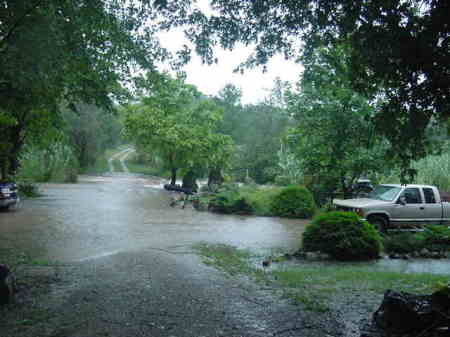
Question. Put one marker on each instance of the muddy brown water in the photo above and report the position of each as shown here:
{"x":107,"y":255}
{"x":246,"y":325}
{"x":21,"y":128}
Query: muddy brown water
{"x":127,"y":268}
{"x":101,"y":216}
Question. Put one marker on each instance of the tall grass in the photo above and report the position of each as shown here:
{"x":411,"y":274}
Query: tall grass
{"x":431,"y":170}
{"x":434,"y":170}
{"x":55,"y":163}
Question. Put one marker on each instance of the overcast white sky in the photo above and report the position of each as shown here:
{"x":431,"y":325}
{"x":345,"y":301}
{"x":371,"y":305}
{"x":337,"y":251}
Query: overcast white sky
{"x":209,"y":79}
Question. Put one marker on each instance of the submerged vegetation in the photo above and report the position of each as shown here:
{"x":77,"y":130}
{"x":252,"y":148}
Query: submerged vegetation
{"x":315,"y":284}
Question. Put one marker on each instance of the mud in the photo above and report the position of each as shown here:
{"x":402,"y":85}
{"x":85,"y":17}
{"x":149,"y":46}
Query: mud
{"x":111,"y":258}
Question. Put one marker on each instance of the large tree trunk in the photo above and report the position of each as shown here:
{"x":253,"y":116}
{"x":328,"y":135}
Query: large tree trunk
{"x":189,"y":181}
{"x":16,"y":140}
{"x":215,"y":177}
{"x":3,"y":169}
{"x":173,"y":179}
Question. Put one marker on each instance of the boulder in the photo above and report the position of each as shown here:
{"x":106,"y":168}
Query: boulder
{"x":408,"y":315}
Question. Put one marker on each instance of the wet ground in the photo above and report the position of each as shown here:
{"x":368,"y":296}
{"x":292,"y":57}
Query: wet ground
{"x":113,"y":259}
{"x":110,"y":257}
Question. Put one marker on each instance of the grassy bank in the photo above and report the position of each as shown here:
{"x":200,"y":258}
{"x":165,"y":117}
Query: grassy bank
{"x":313,"y":284}
{"x":139,"y":165}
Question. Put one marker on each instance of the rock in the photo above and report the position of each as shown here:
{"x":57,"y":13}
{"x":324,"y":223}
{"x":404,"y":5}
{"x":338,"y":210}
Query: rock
{"x":311,"y":256}
{"x":410,"y":315}
{"x":435,"y":255}
{"x":405,"y":257}
{"x":424,"y":252}
{"x":266,"y":263}
{"x":299,"y":254}
{"x":287,"y":256}
{"x":7,"y":285}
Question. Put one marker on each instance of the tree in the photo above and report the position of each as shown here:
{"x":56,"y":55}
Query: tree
{"x":90,"y":131}
{"x":336,"y":143}
{"x":71,"y":50}
{"x":176,"y":122}
{"x":399,"y":50}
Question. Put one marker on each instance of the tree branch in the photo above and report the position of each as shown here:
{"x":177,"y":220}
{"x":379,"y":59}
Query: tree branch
{"x":18,"y":23}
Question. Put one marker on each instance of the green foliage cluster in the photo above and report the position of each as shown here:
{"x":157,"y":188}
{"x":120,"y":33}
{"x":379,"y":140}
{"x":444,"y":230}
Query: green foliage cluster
{"x":56,"y":163}
{"x":334,"y":140}
{"x":433,"y":238}
{"x":403,"y":243}
{"x":256,"y":130}
{"x":293,"y":202}
{"x":342,"y":235}
{"x":431,"y":170}
{"x":143,"y":165}
{"x":28,"y":189}
{"x":176,"y":123}
{"x":229,"y":200}
{"x":54,"y":54}
{"x":399,"y":52}
{"x":247,"y":199}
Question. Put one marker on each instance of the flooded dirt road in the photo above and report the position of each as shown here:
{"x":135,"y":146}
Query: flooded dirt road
{"x":116,"y":260}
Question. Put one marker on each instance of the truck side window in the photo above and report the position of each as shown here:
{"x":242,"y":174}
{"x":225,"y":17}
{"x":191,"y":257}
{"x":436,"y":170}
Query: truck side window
{"x":429,"y":196}
{"x":412,"y":196}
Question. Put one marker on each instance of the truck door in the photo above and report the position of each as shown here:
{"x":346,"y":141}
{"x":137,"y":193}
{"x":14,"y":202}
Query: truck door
{"x":432,"y":209}
{"x":413,"y":212}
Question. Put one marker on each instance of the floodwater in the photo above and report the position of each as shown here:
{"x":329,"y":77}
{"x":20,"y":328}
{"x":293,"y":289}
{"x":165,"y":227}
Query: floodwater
{"x":127,"y":267}
{"x":101,"y":216}
{"x":106,"y":215}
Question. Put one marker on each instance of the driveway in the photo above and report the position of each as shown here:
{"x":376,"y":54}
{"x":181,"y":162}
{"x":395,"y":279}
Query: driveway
{"x":111,"y":258}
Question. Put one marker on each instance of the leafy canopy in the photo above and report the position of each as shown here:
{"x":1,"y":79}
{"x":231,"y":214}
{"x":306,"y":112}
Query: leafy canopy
{"x":399,"y":50}
{"x":176,"y":122}
{"x":335,"y":142}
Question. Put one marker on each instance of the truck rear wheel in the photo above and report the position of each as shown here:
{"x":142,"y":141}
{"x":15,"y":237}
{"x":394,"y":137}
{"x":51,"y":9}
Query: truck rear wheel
{"x":379,"y":222}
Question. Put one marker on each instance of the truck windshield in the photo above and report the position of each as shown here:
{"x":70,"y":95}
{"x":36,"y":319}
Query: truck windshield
{"x":383,"y":192}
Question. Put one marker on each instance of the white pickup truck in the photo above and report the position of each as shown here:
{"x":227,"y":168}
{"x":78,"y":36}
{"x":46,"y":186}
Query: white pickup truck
{"x":393,"y":206}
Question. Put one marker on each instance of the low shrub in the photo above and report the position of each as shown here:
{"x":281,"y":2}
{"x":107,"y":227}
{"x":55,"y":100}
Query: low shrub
{"x":230,"y":201}
{"x":343,"y":236}
{"x":433,"y":238}
{"x":293,"y":202}
{"x":28,"y":189}
{"x":436,"y":234}
{"x":260,"y":199}
{"x":403,"y":243}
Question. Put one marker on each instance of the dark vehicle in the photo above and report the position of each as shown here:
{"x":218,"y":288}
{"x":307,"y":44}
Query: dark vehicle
{"x":362,"y":188}
{"x":8,"y":195}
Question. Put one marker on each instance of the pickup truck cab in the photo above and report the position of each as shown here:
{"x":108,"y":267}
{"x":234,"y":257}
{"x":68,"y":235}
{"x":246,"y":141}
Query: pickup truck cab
{"x":8,"y":195}
{"x":391,"y":206}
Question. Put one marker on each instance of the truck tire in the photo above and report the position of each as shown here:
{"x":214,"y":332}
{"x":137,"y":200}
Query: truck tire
{"x":379,"y":222}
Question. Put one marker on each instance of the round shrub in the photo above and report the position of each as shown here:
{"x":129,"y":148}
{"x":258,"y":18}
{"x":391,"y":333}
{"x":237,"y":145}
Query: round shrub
{"x":343,"y":236}
{"x":229,"y":202}
{"x":293,"y":202}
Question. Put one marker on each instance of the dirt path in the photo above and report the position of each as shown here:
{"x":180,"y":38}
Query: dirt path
{"x":110,"y":258}
{"x":121,"y":156}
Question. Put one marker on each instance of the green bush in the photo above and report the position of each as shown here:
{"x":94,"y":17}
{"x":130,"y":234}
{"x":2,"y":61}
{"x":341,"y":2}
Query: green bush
{"x":404,"y":243}
{"x":28,"y":189}
{"x":293,"y":202}
{"x":260,"y":199}
{"x":436,"y":234}
{"x":230,"y":201}
{"x":343,"y":236}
